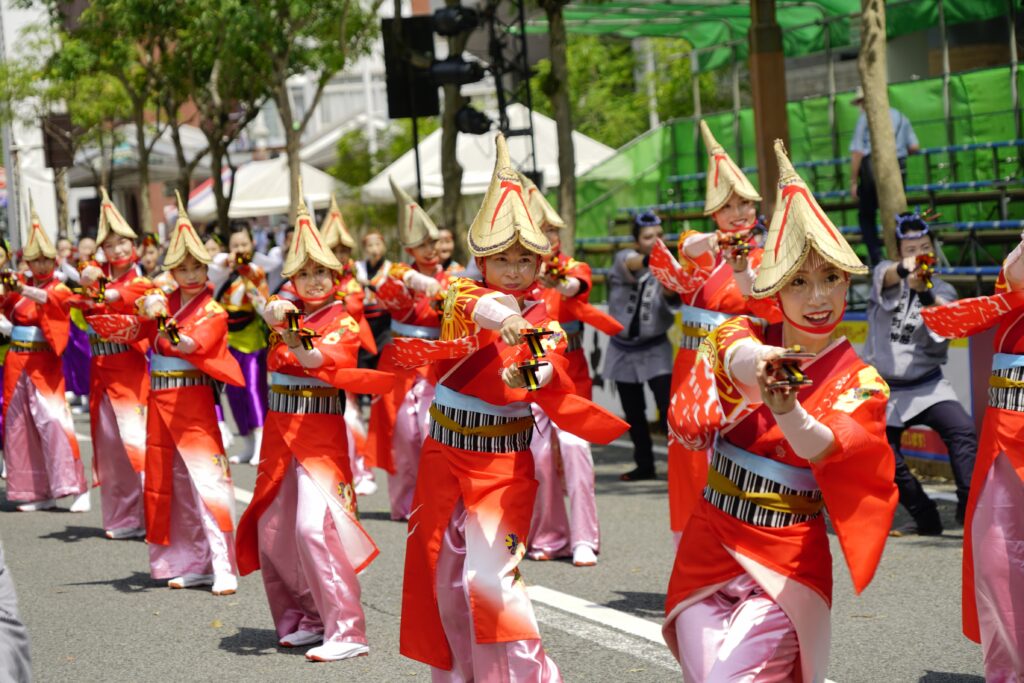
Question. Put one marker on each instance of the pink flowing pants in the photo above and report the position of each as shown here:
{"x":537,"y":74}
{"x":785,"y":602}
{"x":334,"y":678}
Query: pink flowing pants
{"x":120,"y":485}
{"x":310,"y":583}
{"x":198,"y":546}
{"x":552,"y":532}
{"x":998,"y":540}
{"x":516,"y":661}
{"x":40,"y":461}
{"x":737,"y":633}
{"x":412,"y":423}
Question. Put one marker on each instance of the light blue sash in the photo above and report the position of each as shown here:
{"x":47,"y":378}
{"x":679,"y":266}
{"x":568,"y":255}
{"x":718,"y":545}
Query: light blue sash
{"x":796,"y":478}
{"x":453,"y":399}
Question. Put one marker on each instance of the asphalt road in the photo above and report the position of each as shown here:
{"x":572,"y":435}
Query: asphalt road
{"x":94,"y":614}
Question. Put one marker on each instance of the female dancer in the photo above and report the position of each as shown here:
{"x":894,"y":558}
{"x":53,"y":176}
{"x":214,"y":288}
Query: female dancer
{"x":240,"y":286}
{"x":752,"y":582}
{"x":40,"y":448}
{"x":398,"y":421}
{"x":190,"y":501}
{"x":564,"y":284}
{"x":348,"y":288}
{"x":993,"y":566}
{"x":465,"y":611}
{"x":119,"y":377}
{"x":714,"y":279}
{"x":302,"y":527}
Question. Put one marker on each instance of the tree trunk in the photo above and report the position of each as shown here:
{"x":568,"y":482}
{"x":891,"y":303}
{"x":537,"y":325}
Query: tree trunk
{"x":559,"y":94}
{"x":145,"y":219}
{"x":60,"y":182}
{"x":291,"y":143}
{"x":223,"y":203}
{"x":871,"y":63}
{"x":184,"y":182}
{"x":292,"y":138}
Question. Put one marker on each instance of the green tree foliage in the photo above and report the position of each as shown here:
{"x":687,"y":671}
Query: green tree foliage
{"x":310,"y":36}
{"x":357,"y":166}
{"x":608,"y":91}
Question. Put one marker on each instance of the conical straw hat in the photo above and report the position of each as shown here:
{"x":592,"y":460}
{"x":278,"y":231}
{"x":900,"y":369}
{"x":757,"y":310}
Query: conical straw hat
{"x":504,"y":217}
{"x":414,"y":225}
{"x":724,"y":176}
{"x":540,"y":209}
{"x":334,"y":230}
{"x":111,"y":220}
{"x":38,"y":244}
{"x":307,"y":243}
{"x":798,"y":225}
{"x":184,"y":241}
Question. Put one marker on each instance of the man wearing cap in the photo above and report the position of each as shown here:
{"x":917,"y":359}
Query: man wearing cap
{"x":641,"y":353}
{"x":910,"y":358}
{"x":862,"y":177}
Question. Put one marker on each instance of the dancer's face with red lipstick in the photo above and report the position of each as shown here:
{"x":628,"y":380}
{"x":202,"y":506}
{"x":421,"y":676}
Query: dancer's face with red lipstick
{"x":814,"y":297}
{"x":314,"y":283}
{"x":190,"y":275}
{"x":737,"y":214}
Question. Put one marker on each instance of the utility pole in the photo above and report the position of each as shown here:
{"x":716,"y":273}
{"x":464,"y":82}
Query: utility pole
{"x":768,"y":87}
{"x":10,"y":161}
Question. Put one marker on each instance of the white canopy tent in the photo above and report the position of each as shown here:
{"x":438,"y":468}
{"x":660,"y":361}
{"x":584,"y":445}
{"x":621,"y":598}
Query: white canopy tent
{"x":262,"y":189}
{"x":476,"y":154}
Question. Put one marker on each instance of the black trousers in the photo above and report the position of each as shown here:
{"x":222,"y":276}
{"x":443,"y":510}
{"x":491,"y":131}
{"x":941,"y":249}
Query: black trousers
{"x":634,"y":405}
{"x":867,"y":208}
{"x":956,"y":429}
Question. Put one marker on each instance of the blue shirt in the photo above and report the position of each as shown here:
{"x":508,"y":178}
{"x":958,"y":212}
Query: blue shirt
{"x":905,"y":136}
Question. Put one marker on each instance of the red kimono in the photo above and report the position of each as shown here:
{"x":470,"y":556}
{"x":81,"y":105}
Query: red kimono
{"x":119,"y":370}
{"x":1003,"y":425}
{"x":183,"y":419}
{"x":495,"y":483}
{"x":41,"y":448}
{"x":316,"y":440}
{"x":572,"y":312}
{"x":789,"y":558}
{"x":411,"y":312}
{"x":711,"y":296}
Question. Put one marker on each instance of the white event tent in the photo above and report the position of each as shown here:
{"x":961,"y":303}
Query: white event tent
{"x":261,"y":189}
{"x":476,"y":154}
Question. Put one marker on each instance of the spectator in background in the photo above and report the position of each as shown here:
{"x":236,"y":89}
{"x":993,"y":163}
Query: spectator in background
{"x":86,"y":249}
{"x":370,"y":272}
{"x":446,"y":249}
{"x":910,"y":357}
{"x":862,"y":178}
{"x":641,"y":353}
{"x":15,"y":663}
{"x":213,"y":243}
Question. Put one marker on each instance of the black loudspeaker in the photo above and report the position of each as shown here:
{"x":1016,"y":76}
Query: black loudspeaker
{"x":411,"y":91}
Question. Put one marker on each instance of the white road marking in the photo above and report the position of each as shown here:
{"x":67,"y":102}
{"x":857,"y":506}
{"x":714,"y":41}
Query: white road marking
{"x":83,"y":437}
{"x":606,"y":638}
{"x":606,"y":616}
{"x":605,"y":619}
{"x":938,"y":494}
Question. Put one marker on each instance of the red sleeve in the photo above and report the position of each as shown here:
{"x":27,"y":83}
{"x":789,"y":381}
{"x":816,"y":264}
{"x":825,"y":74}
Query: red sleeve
{"x":54,"y":316}
{"x":131,"y":293}
{"x":339,"y":347}
{"x":581,"y":271}
{"x":856,"y":479}
{"x":967,"y":317}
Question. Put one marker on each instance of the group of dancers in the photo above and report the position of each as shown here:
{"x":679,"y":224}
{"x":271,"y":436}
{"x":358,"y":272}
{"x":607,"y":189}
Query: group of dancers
{"x":482,"y":414}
